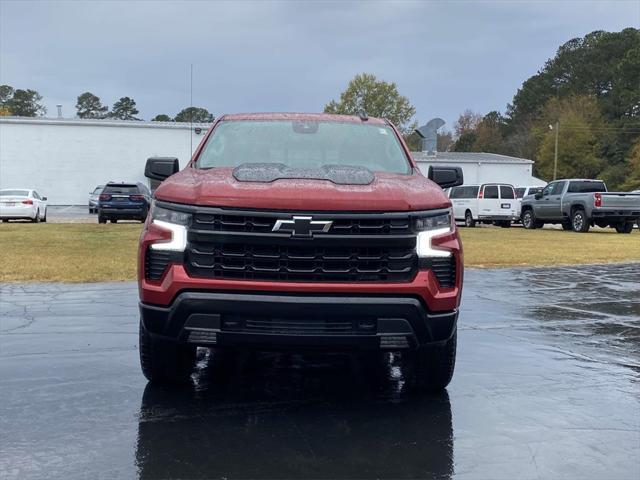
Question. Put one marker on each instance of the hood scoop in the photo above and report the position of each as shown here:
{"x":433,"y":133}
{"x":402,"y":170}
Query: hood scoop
{"x":269,"y":172}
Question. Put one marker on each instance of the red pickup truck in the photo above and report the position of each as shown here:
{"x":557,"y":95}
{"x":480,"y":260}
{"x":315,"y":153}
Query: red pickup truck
{"x":304,"y":232}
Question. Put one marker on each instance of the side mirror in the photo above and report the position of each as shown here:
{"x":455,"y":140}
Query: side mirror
{"x":160,"y":168}
{"x":538,"y":195}
{"x":44,"y":198}
{"x":446,"y":176}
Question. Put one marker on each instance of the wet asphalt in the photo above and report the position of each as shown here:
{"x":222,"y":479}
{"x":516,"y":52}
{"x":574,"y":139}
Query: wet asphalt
{"x":547,"y":385}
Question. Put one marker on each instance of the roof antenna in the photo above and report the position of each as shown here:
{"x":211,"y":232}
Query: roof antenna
{"x":363,"y":115}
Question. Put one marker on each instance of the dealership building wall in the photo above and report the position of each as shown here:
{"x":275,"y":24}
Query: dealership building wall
{"x":65,"y":159}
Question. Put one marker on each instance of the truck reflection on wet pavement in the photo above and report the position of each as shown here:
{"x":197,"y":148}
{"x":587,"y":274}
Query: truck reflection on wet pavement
{"x":275,"y":416}
{"x":546,"y":386}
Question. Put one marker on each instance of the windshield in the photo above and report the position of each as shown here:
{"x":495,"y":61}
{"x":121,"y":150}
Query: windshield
{"x":304,"y":145}
{"x":14,"y":193}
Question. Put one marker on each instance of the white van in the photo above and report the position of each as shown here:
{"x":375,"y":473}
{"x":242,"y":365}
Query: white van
{"x":522,"y":192}
{"x":487,"y":203}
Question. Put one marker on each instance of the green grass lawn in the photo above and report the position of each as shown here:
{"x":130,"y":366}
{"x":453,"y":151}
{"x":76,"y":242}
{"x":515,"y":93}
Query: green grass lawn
{"x":92,"y":253}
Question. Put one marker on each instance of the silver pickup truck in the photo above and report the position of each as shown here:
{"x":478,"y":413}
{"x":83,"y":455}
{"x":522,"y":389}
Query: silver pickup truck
{"x":578,"y":204}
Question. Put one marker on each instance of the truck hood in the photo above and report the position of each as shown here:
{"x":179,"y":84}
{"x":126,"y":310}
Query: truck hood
{"x":217,"y":187}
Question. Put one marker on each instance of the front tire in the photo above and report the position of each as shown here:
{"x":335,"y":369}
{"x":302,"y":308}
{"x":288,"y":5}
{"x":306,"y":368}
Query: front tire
{"x":529,"y":220}
{"x":44,"y":218}
{"x":468,"y":220}
{"x":101,"y":219}
{"x":579,"y":222}
{"x":163,"y":360}
{"x":433,"y":365}
{"x":624,"y":227}
{"x":36,"y":219}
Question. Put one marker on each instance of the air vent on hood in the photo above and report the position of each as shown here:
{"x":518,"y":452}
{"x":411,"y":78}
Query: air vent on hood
{"x":269,"y":172}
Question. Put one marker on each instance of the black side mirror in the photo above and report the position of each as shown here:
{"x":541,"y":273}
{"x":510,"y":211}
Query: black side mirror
{"x":538,"y":195}
{"x":160,"y":168}
{"x":446,"y":176}
{"x":44,"y":198}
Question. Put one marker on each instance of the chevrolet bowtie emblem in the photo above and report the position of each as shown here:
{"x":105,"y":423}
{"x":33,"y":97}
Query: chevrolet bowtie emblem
{"x":302,"y":226}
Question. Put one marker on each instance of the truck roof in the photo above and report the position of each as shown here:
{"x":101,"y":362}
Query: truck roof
{"x":309,"y":117}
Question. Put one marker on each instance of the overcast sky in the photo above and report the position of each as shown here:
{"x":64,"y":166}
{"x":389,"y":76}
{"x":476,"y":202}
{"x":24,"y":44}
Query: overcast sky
{"x":289,"y":56}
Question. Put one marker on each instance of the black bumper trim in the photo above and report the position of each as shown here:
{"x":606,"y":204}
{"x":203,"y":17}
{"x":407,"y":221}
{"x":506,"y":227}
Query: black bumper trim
{"x":298,"y":321}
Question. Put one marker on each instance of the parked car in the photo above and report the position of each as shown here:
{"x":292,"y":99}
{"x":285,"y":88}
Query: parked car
{"x":22,"y":204}
{"x":93,"y":199}
{"x":334,"y":241}
{"x":522,"y":192}
{"x":123,"y":201}
{"x":487,"y":203}
{"x":577,"y":204}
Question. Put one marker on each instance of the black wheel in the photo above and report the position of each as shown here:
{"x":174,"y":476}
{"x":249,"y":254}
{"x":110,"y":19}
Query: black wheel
{"x":579,"y":222}
{"x":36,"y":219}
{"x":114,"y":220}
{"x":101,"y":219}
{"x":529,"y":220}
{"x":468,"y":220}
{"x":44,"y":219}
{"x":4,"y":220}
{"x":165,"y":361}
{"x":624,"y":227}
{"x":566,"y":226}
{"x":433,"y":365}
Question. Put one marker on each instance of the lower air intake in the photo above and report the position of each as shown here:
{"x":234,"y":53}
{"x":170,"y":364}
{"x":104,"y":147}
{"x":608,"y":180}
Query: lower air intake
{"x":202,"y":337}
{"x":394,"y":342}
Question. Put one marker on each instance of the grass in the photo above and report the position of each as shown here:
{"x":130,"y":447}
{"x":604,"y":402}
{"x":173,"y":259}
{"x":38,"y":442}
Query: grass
{"x":92,"y":253}
{"x":59,"y":252}
{"x":499,"y":247}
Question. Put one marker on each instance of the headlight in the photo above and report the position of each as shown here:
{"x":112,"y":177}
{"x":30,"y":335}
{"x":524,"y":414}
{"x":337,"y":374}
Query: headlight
{"x":174,"y":221}
{"x":170,"y":216}
{"x":429,"y":227}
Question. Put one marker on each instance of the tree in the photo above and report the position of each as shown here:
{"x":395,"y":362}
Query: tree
{"x":365,"y":93}
{"x":489,"y":134}
{"x":632,"y":181}
{"x":6,"y":94}
{"x":162,"y":118}
{"x":124,"y":109}
{"x":89,"y":105}
{"x":603,"y":64}
{"x":24,"y":103}
{"x":580,"y":141}
{"x":195,"y":115}
{"x":467,"y":122}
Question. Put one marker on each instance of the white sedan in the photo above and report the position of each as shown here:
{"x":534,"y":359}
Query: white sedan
{"x":18,"y":204}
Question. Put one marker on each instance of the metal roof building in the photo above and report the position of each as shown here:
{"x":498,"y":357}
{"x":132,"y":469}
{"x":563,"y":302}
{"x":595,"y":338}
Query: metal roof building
{"x":481,"y":167}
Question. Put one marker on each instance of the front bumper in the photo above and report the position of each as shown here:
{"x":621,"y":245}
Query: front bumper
{"x":299,"y":321}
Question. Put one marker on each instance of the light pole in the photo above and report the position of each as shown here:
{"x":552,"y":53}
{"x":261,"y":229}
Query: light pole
{"x":555,"y":155}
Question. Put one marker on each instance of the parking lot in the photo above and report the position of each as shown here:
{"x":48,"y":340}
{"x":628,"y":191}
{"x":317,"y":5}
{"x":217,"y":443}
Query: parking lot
{"x":546,"y":386}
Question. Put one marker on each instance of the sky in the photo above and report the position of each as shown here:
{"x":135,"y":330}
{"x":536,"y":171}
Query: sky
{"x":445,"y":56}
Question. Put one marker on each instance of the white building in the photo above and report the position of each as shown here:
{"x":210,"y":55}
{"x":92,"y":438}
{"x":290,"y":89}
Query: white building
{"x":65,"y":159}
{"x":480,"y":168}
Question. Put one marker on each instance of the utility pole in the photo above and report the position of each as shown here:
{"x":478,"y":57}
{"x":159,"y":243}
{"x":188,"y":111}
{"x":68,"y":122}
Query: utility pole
{"x":555,"y":156}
